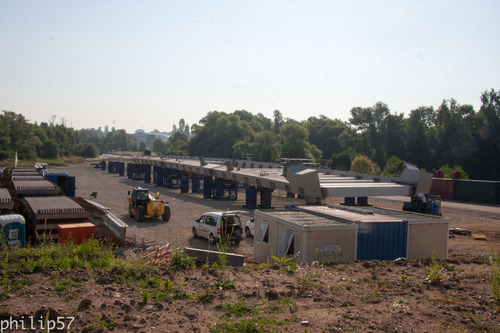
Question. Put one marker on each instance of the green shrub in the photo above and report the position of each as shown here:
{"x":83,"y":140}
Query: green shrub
{"x":435,"y":272}
{"x":181,"y":260}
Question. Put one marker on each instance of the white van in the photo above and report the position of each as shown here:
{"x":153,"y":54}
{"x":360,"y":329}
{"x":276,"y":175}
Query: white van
{"x":216,"y":225}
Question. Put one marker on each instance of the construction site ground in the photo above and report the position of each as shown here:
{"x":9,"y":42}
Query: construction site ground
{"x":360,"y":296}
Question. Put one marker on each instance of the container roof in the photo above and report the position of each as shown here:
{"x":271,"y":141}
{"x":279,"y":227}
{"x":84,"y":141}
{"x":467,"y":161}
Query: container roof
{"x":349,"y":215}
{"x":55,"y":207}
{"x":35,"y":187}
{"x":304,"y":219}
{"x":324,"y":216}
{"x":411,"y":217}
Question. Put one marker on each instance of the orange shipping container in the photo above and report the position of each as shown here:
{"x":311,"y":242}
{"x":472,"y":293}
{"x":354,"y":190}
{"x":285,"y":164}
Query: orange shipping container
{"x":76,"y":232}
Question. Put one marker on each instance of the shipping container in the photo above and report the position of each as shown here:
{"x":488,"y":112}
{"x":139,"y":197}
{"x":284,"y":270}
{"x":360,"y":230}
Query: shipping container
{"x":445,"y":187}
{"x":75,"y":232}
{"x":13,"y":230}
{"x":479,"y":191}
{"x":66,"y":183}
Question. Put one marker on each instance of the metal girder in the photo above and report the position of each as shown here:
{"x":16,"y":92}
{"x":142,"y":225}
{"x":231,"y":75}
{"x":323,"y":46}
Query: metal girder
{"x":294,"y":178}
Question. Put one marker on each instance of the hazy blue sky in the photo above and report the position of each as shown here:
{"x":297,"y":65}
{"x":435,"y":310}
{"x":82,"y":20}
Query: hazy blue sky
{"x":146,"y":64}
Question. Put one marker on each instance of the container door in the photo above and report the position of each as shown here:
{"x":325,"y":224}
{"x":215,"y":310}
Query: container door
{"x":71,"y":187}
{"x":382,"y":241}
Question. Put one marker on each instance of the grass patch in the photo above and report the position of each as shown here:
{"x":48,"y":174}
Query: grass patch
{"x":69,"y":286}
{"x":372,"y":298}
{"x":51,"y":257}
{"x":9,"y":162}
{"x":239,"y":308}
{"x":241,"y":316}
{"x":224,"y":285}
{"x":102,"y":322}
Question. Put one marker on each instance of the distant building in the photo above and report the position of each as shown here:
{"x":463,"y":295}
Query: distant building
{"x":148,"y":137}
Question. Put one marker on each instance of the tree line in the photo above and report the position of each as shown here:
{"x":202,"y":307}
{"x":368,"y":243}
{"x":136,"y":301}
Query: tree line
{"x":450,"y":137}
{"x":49,"y":140}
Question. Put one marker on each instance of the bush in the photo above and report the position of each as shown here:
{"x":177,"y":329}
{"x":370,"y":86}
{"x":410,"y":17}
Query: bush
{"x":447,"y":171}
{"x":181,"y":260}
{"x":89,"y":150}
{"x":340,"y":161}
{"x":362,"y":164}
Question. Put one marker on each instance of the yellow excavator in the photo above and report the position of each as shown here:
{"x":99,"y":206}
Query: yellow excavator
{"x":142,"y":204}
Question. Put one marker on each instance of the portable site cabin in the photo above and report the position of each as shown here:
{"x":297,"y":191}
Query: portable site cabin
{"x":12,"y":230}
{"x":337,"y":233}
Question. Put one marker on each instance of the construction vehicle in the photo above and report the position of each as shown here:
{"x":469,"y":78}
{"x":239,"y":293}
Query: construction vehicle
{"x":142,"y":204}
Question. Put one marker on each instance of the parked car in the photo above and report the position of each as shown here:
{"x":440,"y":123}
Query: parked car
{"x":250,"y":228}
{"x":216,"y":225}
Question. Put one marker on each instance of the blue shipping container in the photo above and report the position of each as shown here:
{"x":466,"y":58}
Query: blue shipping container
{"x":66,"y":183}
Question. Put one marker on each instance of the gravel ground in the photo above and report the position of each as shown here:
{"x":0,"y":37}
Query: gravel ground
{"x":112,"y":191}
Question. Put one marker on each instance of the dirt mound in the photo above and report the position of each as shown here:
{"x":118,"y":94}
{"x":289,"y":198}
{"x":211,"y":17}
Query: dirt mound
{"x":360,"y":296}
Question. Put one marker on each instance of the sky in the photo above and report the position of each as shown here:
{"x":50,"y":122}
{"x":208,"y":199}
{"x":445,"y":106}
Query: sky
{"x":147,"y":64}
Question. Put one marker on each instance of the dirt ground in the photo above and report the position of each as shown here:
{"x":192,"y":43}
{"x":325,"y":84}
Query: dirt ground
{"x":360,"y":296}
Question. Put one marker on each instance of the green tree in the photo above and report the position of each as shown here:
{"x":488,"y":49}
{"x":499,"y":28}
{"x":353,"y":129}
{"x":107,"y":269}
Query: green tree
{"x":263,"y":146}
{"x":218,"y":133}
{"x":49,"y":149}
{"x":182,"y":124}
{"x":393,"y":136}
{"x":177,"y":144}
{"x":418,"y":136}
{"x":324,"y":133}
{"x":89,"y":150}
{"x":278,"y":121}
{"x":17,"y":134}
{"x":295,"y":143}
{"x":160,"y":146}
{"x":391,"y":166}
{"x":487,"y":135}
{"x":116,"y":140}
{"x":370,"y":123}
{"x":340,"y":161}
{"x":93,"y":136}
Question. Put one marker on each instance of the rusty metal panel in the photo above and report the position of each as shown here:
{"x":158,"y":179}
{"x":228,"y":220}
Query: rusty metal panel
{"x":445,"y":187}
